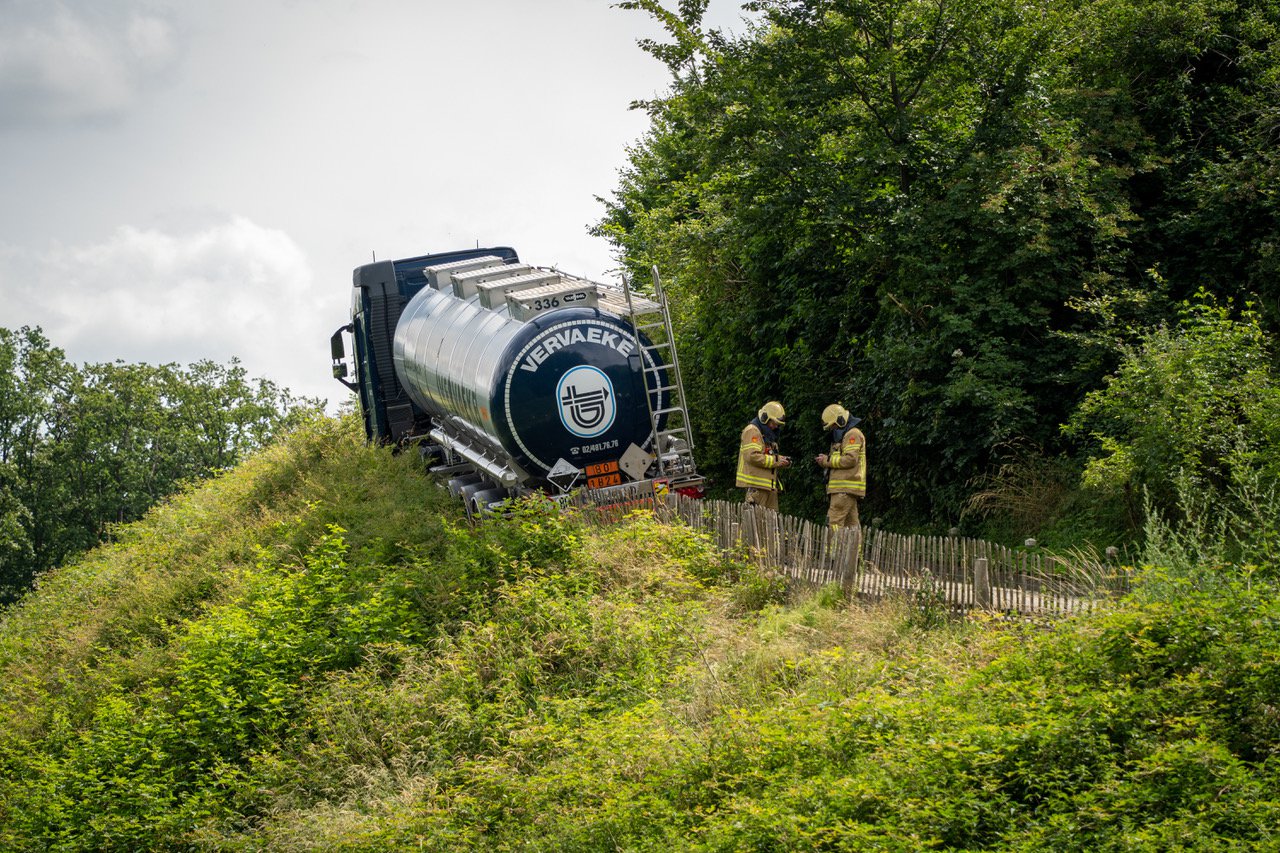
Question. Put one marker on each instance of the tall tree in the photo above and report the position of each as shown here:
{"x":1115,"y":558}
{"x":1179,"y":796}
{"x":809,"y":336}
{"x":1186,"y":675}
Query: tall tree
{"x":929,"y":210}
{"x":84,"y":448}
{"x":33,"y":373}
{"x":834,"y":189}
{"x":1186,"y":95}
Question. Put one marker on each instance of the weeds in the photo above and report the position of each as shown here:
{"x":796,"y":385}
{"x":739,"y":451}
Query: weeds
{"x":319,"y":668}
{"x":1026,"y":490}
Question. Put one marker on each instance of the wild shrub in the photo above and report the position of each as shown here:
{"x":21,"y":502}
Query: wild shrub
{"x":639,"y":552}
{"x":1096,"y":735}
{"x":927,"y":603}
{"x":755,"y":588}
{"x":239,"y":676}
{"x":534,"y":531}
{"x":1193,"y":409}
{"x":465,"y":717}
{"x":531,"y":683}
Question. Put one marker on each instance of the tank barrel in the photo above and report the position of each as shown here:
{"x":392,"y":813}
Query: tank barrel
{"x":528,"y":376}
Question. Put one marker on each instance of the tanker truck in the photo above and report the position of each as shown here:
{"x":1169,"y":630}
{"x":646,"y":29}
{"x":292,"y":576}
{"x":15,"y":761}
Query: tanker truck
{"x":512,"y":378}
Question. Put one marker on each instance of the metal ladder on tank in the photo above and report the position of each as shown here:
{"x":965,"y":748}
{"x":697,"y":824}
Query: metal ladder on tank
{"x":673,"y":445}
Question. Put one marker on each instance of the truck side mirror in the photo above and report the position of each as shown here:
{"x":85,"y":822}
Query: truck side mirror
{"x":336,"y":347}
{"x":339,"y":353}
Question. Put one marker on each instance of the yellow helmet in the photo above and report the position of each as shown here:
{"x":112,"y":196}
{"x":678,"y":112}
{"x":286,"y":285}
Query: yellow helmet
{"x":834,"y":415}
{"x":772,"y":411}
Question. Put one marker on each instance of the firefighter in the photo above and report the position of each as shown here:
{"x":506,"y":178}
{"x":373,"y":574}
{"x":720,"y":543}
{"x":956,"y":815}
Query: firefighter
{"x":846,"y":465}
{"x":758,"y":457}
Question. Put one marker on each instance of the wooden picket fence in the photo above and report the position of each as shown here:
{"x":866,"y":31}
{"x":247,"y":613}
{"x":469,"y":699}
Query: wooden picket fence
{"x":959,"y":572}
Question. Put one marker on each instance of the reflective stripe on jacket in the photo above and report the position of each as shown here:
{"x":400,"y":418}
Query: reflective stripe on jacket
{"x":756,"y":461}
{"x":848,"y":463}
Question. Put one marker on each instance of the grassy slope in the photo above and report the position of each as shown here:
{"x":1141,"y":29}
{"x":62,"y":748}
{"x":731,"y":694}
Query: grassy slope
{"x":313,"y":653}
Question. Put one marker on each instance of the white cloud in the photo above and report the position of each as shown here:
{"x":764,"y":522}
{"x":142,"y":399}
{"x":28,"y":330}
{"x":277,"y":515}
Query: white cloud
{"x":150,"y":42}
{"x":334,"y":128}
{"x":234,"y":289}
{"x":65,"y":65}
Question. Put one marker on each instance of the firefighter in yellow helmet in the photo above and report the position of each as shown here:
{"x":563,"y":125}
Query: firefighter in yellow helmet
{"x":758,"y":457}
{"x":846,"y":465}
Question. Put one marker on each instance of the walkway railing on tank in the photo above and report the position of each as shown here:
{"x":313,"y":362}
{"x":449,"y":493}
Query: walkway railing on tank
{"x":965,"y":573}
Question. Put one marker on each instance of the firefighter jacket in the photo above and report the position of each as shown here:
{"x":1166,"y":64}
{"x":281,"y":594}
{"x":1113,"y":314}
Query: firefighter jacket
{"x":847,"y":461}
{"x":758,"y":459}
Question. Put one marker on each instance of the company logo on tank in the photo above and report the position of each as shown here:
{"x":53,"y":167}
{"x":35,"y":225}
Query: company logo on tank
{"x":587,"y":406}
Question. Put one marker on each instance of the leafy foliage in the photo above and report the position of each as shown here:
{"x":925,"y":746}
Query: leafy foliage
{"x":312,"y":652}
{"x":84,"y":448}
{"x":1190,"y":418}
{"x":945,"y":215}
{"x":955,"y":217}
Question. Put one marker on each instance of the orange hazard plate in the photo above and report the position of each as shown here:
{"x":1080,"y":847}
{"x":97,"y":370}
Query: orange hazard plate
{"x":601,"y":468}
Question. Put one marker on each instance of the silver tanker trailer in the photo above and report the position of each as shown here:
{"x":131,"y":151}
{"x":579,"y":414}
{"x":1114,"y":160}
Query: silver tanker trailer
{"x":513,"y":378}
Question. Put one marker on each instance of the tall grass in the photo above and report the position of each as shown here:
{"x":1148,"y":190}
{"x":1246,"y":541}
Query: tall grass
{"x":1213,"y":544}
{"x":315,"y":652}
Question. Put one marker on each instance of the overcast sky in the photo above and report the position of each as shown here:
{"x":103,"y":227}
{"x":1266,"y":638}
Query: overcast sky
{"x":184,"y":180}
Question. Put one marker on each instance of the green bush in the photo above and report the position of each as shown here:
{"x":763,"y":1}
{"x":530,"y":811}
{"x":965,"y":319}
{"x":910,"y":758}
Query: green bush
{"x":1193,"y":410}
{"x":756,"y":588}
{"x":541,"y":682}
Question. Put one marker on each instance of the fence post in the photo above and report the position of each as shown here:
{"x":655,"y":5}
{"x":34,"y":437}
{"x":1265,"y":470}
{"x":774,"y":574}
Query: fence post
{"x":844,"y":541}
{"x":981,"y":584}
